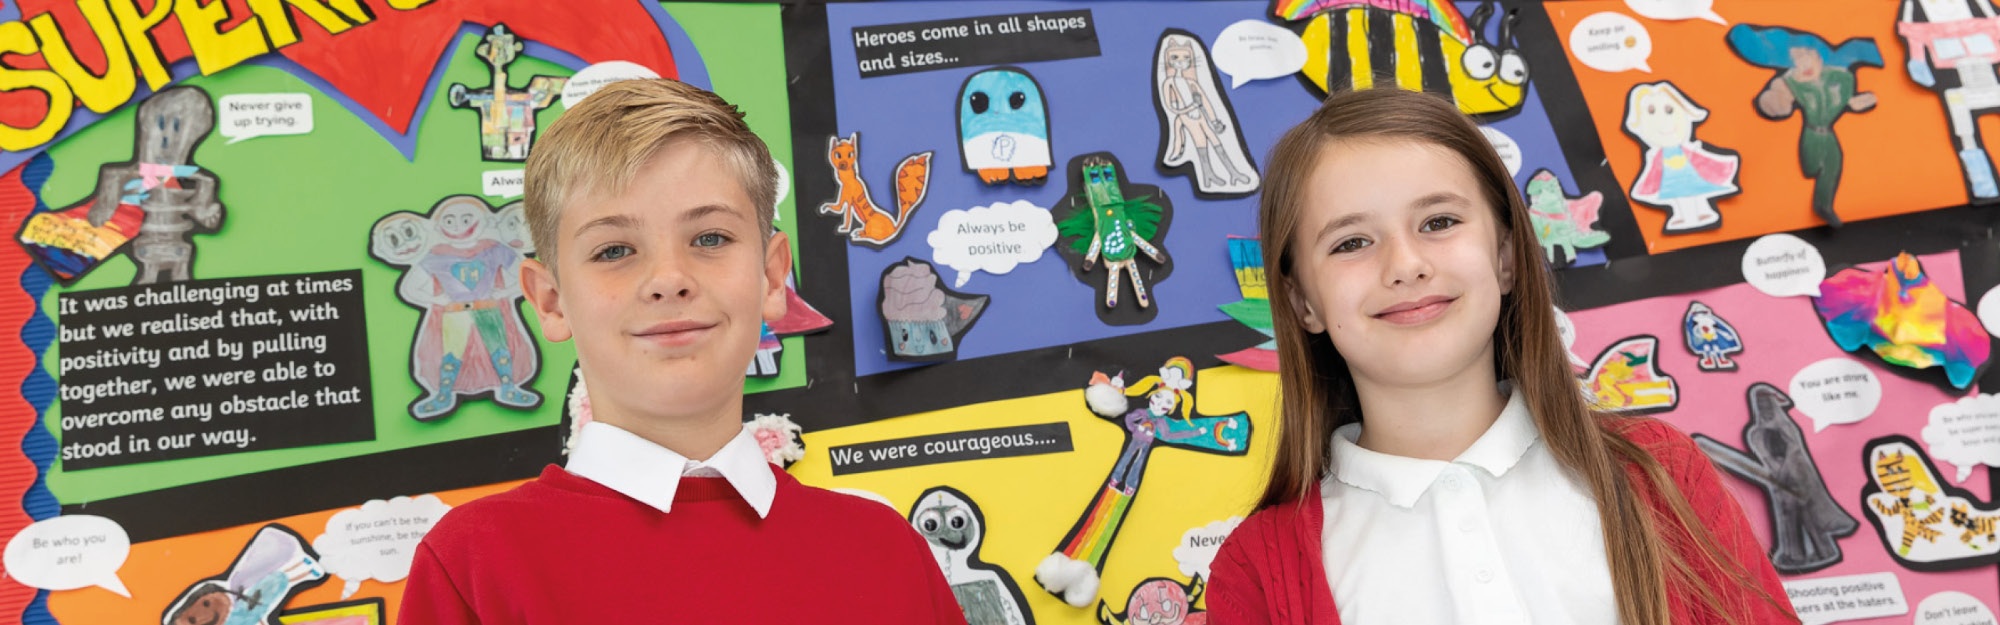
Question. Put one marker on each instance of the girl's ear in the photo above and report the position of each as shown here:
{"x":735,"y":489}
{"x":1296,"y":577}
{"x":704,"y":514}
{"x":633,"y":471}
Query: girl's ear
{"x":1303,"y":309}
{"x":1506,"y":260}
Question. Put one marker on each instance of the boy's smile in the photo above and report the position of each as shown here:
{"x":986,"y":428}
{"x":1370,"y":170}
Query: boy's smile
{"x":676,"y":334}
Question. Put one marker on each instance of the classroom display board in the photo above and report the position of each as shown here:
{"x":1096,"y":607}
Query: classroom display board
{"x":260,"y":325}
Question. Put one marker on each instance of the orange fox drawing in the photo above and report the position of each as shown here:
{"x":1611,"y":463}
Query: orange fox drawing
{"x":913,"y":178}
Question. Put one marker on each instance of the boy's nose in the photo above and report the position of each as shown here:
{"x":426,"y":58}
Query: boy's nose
{"x":680,"y":294}
{"x":670,"y":281}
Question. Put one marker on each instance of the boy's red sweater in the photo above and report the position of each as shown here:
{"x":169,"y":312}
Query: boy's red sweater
{"x":562,"y":549}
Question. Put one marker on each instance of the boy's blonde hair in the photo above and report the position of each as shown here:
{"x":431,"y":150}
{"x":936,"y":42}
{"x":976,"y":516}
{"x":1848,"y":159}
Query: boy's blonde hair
{"x":595,"y":149}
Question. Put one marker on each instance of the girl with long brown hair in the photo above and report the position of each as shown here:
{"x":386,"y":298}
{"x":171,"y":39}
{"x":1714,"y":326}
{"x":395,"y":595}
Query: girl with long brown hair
{"x":1437,"y":462}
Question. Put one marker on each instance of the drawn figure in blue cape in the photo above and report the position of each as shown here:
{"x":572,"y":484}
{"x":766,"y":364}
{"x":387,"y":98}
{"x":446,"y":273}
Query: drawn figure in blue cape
{"x":1816,"y":79}
{"x":275,"y":565}
{"x":1711,"y":337}
{"x":953,"y":526}
{"x":1003,"y":127}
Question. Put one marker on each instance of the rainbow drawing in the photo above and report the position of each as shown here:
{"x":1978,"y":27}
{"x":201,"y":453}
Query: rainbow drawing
{"x":1093,"y":537}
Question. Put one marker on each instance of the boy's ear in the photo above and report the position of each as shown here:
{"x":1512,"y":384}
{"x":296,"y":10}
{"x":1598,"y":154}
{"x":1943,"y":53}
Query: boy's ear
{"x":777,"y":267}
{"x":1302,"y":309}
{"x":538,"y":283}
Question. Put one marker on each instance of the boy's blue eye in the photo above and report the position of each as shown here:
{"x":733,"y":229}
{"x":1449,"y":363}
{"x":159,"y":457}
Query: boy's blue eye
{"x":1440,"y":222}
{"x":613,"y":252}
{"x":711,"y":239}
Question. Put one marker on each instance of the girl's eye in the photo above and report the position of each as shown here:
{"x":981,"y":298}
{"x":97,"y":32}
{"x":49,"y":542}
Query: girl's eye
{"x":711,"y":239}
{"x":1350,"y":245}
{"x":1440,"y":222}
{"x":612,"y":252}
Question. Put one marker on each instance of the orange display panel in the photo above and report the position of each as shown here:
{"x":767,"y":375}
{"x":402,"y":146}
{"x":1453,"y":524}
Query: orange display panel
{"x":1898,"y":156}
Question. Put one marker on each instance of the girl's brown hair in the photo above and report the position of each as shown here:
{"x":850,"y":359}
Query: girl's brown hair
{"x":1318,"y":395}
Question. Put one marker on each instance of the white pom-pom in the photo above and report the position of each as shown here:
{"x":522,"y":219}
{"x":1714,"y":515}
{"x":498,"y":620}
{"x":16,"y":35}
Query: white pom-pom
{"x":1105,"y":400}
{"x":779,"y":437}
{"x":1074,"y":581}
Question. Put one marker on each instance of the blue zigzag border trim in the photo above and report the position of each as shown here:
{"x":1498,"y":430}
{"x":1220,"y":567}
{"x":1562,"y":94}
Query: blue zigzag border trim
{"x":39,"y":389}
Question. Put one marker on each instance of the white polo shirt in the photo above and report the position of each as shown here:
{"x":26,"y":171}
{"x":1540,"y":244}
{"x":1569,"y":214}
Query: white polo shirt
{"x":1502,"y":534}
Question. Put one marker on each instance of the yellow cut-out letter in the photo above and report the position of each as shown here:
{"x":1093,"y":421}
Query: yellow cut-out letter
{"x":215,"y":50}
{"x":15,"y":38}
{"x":278,"y":21}
{"x":135,"y":26}
{"x":100,"y":93}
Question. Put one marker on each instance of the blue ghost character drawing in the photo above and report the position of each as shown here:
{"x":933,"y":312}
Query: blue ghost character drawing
{"x":1712,"y":338}
{"x":1003,"y":127}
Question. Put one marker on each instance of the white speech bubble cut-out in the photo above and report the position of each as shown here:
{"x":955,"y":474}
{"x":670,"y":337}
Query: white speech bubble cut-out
{"x":377,"y":540}
{"x":1782,"y":265}
{"x":502,"y":183}
{"x":1198,"y":546}
{"x":1821,"y":600}
{"x":1510,"y":152}
{"x":1835,"y":391}
{"x":1257,"y":50}
{"x":993,"y":239}
{"x":1611,"y":42}
{"x":1989,"y":310}
{"x":1670,"y":10}
{"x":246,"y":116}
{"x":597,"y":75}
{"x":1952,"y":607}
{"x":70,"y":552}
{"x":1965,"y":433}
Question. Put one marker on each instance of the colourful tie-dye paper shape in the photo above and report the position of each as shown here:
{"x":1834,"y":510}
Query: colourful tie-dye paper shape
{"x":1905,"y":319}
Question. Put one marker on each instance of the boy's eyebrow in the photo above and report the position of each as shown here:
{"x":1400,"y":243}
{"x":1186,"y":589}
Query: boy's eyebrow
{"x":709,"y":209}
{"x":612,"y":221}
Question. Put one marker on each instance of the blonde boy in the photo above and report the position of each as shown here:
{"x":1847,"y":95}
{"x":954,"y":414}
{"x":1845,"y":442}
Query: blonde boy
{"x":651,"y":206}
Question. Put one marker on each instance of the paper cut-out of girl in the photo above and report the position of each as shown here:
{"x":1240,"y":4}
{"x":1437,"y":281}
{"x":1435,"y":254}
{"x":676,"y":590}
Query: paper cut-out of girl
{"x":1681,"y":174}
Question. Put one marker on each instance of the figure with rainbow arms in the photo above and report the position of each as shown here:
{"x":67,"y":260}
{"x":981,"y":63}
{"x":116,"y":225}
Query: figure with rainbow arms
{"x":1167,"y":418}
